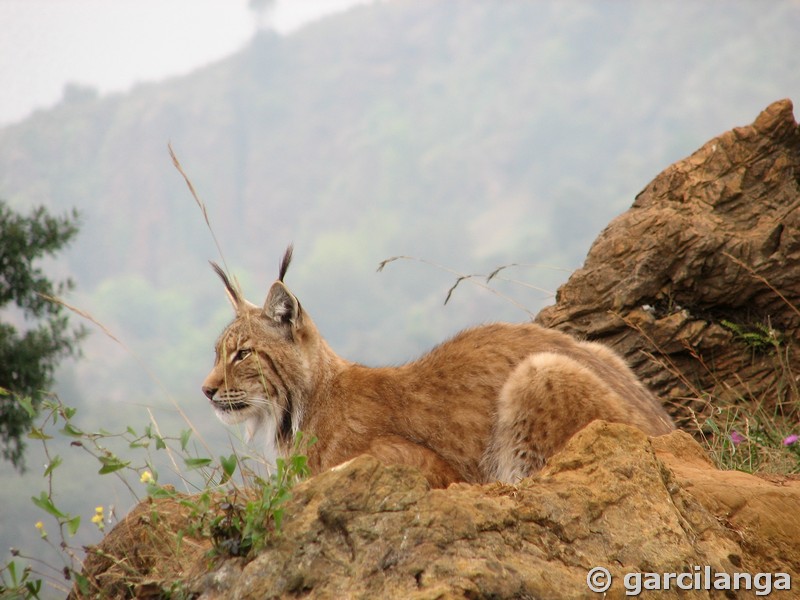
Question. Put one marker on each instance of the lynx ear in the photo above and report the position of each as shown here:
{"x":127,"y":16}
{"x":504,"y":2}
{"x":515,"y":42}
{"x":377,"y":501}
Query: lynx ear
{"x":282,"y":306}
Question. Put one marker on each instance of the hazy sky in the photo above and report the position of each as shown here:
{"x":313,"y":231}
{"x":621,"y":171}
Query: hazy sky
{"x":112,"y":44}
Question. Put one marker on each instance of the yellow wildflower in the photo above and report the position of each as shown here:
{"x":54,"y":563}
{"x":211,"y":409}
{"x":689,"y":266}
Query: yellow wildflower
{"x":146,"y":477}
{"x":97,"y":519}
{"x":40,"y":527}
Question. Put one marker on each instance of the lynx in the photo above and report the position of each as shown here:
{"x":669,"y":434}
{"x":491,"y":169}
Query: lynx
{"x":492,"y":403}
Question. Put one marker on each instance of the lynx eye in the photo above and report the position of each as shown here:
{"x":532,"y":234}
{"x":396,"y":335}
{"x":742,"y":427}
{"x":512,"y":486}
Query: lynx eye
{"x":242,"y":354}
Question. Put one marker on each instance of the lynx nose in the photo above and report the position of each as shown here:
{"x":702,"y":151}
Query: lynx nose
{"x":209,"y":391}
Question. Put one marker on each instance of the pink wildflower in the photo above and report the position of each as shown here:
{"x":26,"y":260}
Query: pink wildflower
{"x":737,"y":438}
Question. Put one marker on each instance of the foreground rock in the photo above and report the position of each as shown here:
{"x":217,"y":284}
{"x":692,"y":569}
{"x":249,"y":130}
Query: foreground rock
{"x":697,"y":284}
{"x":613,"y":498}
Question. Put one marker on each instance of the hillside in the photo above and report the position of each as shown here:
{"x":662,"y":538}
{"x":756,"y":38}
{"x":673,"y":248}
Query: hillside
{"x":523,"y":127}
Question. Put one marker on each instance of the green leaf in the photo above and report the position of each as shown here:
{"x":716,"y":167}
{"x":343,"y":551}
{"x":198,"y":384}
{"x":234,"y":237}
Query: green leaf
{"x":280,"y":496}
{"x":185,"y":435}
{"x":156,"y":491}
{"x":277,"y":517}
{"x":228,"y":467}
{"x":53,"y":465}
{"x":49,"y":404}
{"x":69,"y":412}
{"x":46,"y":504}
{"x":83,"y":583}
{"x":197,"y":463}
{"x":111,"y":464}
{"x":37,"y":434}
{"x":130,"y":430}
{"x":299,"y":468}
{"x":280,"y":469}
{"x":160,"y":445}
{"x":713,"y":426}
{"x":73,"y":524}
{"x":12,"y":569}
{"x":27,"y":404}
{"x":70,"y":430}
{"x":34,"y":587}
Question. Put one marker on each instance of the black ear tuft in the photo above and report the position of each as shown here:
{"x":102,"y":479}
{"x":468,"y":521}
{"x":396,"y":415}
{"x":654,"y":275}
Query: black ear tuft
{"x":233,"y":294}
{"x":287,"y":258}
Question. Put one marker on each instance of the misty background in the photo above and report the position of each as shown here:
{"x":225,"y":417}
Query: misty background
{"x":466,"y":134}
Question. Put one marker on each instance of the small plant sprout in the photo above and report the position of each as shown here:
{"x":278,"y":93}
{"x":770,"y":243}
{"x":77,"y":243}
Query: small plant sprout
{"x":759,"y":337}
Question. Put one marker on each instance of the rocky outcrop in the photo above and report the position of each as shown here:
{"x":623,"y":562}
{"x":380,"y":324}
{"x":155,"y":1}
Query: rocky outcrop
{"x":697,"y":284}
{"x":613,"y":498}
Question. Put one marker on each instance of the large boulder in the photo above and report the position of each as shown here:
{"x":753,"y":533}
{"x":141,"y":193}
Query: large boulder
{"x":697,"y":283}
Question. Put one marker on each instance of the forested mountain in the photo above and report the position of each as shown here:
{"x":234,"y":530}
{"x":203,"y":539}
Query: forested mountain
{"x":470,"y":134}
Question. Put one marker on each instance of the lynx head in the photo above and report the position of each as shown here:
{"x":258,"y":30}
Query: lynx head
{"x":264,"y":360}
